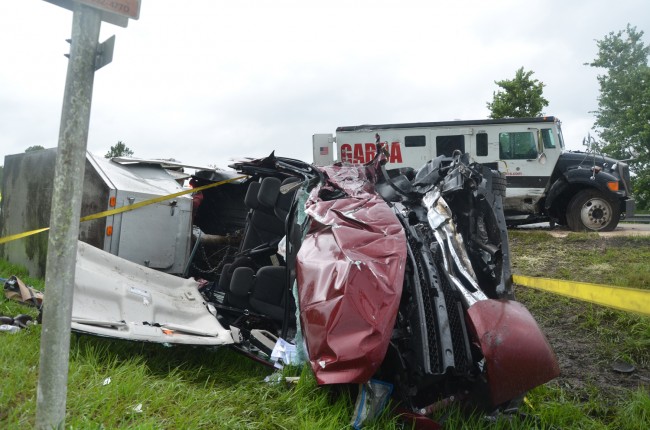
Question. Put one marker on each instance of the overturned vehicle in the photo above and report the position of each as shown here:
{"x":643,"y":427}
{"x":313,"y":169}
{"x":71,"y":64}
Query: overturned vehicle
{"x":397,"y":275}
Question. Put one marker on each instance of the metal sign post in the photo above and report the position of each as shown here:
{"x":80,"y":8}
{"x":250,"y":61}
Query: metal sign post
{"x":86,"y":55}
{"x":64,"y":219}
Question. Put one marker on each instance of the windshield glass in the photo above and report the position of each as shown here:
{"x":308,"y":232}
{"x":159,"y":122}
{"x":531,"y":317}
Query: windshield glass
{"x":517,"y":146}
{"x":559,"y":135}
{"x":547,"y":138}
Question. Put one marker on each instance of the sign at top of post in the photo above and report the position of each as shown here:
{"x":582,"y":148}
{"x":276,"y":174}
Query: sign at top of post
{"x":116,"y":12}
{"x":127,"y":8}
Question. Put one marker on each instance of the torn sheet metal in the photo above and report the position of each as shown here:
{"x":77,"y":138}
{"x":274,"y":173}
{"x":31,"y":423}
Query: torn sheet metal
{"x":166,"y":164}
{"x":451,"y":242}
{"x":350,"y":271}
{"x":117,"y":298}
{"x":517,"y":354}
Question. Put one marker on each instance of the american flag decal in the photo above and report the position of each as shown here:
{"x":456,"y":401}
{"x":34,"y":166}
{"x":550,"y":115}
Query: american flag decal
{"x":324,"y":150}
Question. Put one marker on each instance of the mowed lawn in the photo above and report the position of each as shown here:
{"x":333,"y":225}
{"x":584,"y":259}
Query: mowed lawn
{"x":114,"y":384}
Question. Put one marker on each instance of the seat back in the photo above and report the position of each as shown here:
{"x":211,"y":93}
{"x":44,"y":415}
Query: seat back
{"x":269,"y":292}
{"x":263,"y":292}
{"x":241,"y":284}
{"x":263,"y":226}
{"x":251,"y":202}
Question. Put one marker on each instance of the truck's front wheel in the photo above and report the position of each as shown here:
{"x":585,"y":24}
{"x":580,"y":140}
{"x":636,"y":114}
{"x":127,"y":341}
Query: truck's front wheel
{"x":590,"y":210}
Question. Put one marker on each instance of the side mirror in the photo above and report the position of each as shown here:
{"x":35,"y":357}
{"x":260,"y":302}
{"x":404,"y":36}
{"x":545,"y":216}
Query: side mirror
{"x":541,"y":158}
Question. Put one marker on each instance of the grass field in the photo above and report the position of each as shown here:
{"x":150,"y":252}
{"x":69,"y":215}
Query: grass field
{"x":154,"y":387}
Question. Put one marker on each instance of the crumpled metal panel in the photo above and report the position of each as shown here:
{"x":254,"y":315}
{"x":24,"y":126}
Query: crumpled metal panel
{"x":517,"y":354}
{"x":350,"y":271}
{"x":117,"y":298}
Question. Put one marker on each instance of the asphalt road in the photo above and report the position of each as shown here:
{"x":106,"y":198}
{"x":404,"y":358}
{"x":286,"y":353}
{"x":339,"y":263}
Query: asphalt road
{"x":623,"y":229}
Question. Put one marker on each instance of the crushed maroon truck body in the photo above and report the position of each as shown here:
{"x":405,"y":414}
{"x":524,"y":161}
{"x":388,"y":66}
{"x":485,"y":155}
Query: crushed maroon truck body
{"x":350,"y":270}
{"x":400,"y":278}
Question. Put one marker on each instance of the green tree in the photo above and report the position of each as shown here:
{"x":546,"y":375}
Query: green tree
{"x":34,"y":148}
{"x":520,"y":97}
{"x":119,"y":150}
{"x":623,"y":115}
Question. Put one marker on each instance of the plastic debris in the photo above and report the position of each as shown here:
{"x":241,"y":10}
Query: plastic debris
{"x":15,"y":289}
{"x":9,"y":328}
{"x":13,"y":325}
{"x":283,"y":353}
{"x":23,"y":321}
{"x":274,"y":378}
{"x":371,"y":401}
{"x":107,"y":381}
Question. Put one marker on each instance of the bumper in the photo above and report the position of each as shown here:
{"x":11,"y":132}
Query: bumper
{"x":628,"y":206}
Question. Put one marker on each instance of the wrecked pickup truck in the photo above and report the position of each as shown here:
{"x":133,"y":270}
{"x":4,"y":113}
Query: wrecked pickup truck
{"x":398,"y":275}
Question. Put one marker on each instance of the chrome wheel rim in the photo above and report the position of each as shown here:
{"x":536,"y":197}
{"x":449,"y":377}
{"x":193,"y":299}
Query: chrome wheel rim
{"x":596,"y":213}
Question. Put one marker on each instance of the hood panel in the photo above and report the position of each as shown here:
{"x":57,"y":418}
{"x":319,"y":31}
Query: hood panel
{"x":116,"y":298}
{"x":350,"y":271}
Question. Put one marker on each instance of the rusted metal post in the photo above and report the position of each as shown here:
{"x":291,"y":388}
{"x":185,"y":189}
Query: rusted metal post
{"x":64,"y":219}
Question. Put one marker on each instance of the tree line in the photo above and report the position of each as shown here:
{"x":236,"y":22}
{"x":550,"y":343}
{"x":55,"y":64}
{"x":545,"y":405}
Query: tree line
{"x":623,"y":116}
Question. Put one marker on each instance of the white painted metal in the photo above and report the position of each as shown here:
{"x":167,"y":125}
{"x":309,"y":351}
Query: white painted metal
{"x":158,"y":235}
{"x":116,"y":298}
{"x":323,"y":147}
{"x":358,"y":146}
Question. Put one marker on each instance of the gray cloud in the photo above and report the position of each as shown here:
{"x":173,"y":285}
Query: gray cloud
{"x":211,"y":80}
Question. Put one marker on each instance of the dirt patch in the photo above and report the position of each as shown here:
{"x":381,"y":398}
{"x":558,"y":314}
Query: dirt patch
{"x":584,"y":365}
{"x":588,"y":358}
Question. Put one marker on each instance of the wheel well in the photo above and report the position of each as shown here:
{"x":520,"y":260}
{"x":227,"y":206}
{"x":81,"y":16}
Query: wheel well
{"x":561,"y":201}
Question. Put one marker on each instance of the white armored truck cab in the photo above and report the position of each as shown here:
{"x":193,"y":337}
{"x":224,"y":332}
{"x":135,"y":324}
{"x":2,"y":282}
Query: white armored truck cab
{"x":545,"y":182}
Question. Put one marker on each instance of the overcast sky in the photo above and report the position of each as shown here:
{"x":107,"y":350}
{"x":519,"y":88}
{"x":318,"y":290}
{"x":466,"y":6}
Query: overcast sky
{"x":205,"y":81}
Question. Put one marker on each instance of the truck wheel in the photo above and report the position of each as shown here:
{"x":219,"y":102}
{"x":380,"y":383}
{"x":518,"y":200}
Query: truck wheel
{"x":589,"y":210}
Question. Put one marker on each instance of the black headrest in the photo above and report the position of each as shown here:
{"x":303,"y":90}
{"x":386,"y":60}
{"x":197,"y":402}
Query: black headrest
{"x":283,"y":204}
{"x":269,"y":191}
{"x":251,"y":195}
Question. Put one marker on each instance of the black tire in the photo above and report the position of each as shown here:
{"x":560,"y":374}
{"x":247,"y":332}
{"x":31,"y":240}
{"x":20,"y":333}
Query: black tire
{"x":499,"y":183}
{"x":591,"y":210}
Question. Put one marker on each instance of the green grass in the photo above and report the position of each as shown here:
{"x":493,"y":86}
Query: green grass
{"x":616,"y":261}
{"x":179,"y":387}
{"x":586,"y":257}
{"x":554,"y":408}
{"x":185,"y":387}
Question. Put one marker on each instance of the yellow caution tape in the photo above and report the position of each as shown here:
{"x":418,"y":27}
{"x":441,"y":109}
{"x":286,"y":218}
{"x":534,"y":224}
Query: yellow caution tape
{"x":123,"y":208}
{"x":154,"y":200}
{"x":626,"y":299}
{"x":21,"y":235}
